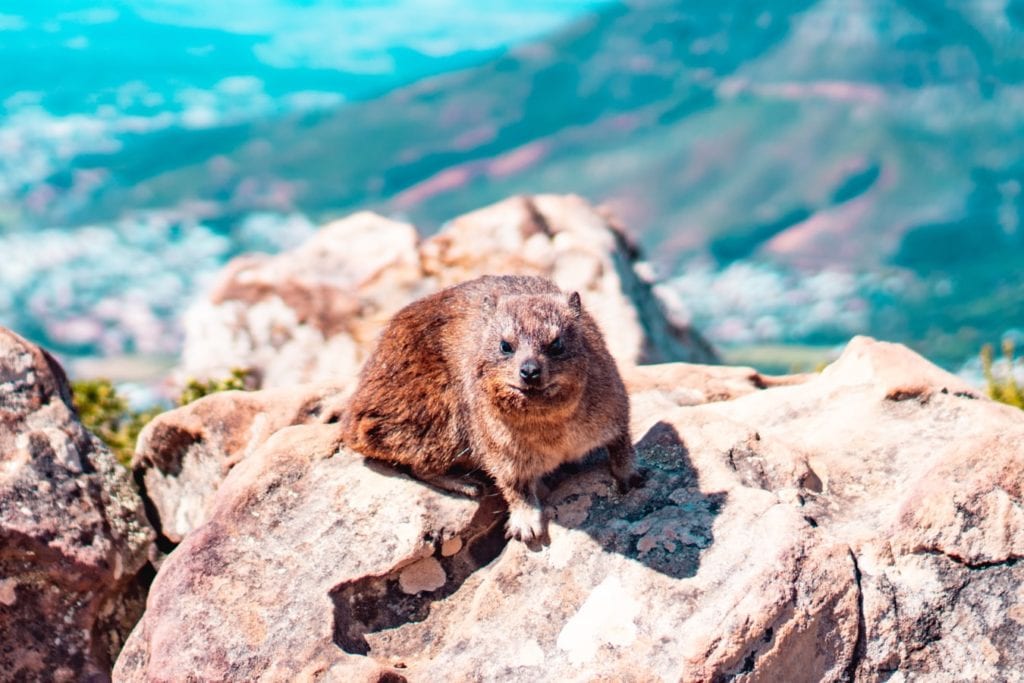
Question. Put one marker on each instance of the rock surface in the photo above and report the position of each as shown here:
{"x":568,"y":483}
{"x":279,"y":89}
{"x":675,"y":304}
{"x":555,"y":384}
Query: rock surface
{"x":183,"y":455}
{"x":306,"y":549}
{"x":313,"y":314}
{"x":73,"y":534}
{"x":862,"y":524}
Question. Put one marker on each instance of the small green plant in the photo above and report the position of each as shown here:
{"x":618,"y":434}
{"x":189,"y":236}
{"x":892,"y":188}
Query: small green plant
{"x":195,"y":389}
{"x":109,"y":416}
{"x":1003,"y":388}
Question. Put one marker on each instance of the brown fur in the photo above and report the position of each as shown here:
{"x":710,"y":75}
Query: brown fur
{"x":440,"y":391}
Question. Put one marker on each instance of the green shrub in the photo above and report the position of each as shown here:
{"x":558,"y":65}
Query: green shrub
{"x":1003,"y":388}
{"x":196,"y":389}
{"x":109,"y":416}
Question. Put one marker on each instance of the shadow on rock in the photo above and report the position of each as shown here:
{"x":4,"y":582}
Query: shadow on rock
{"x":375,"y":603}
{"x":665,"y":525}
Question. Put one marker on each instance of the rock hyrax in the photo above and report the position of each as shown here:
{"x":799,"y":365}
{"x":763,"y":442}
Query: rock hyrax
{"x":505,"y":374}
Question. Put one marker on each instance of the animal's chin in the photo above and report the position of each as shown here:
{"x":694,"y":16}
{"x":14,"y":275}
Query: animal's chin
{"x":518,"y":401}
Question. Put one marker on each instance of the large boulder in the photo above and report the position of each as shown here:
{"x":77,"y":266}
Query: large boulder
{"x":861,"y":523}
{"x":313,"y":313}
{"x":74,"y":539}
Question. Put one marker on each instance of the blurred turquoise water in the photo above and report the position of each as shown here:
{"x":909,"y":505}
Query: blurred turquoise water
{"x":76,"y":55}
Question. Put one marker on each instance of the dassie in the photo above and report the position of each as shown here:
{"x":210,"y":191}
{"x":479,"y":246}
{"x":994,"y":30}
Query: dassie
{"x":503,"y":373}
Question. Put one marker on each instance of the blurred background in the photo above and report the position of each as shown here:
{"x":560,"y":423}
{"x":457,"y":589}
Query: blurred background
{"x":797,"y":171}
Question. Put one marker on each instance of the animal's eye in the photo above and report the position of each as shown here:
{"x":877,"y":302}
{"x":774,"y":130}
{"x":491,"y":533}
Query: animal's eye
{"x":505,"y":347}
{"x":556,"y":348}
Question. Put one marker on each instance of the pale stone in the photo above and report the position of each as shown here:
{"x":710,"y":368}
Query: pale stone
{"x":451,"y":546}
{"x":8,"y":594}
{"x":424,"y":575}
{"x":313,"y":314}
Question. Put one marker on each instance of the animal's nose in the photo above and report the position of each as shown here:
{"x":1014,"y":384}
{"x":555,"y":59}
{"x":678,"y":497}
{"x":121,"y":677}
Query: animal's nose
{"x":530,"y":371}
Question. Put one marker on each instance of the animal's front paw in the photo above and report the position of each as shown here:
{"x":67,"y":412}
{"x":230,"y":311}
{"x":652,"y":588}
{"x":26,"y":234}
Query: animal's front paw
{"x":629,"y":479}
{"x":526,"y":524}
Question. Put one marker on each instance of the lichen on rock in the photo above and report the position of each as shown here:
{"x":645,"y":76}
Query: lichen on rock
{"x":74,"y":539}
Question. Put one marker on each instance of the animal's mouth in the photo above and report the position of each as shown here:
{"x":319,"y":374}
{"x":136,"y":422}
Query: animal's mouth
{"x":531,"y":390}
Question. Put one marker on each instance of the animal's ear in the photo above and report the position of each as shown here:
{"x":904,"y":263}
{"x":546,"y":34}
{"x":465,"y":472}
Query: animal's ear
{"x":574,"y":303}
{"x":488,"y":305}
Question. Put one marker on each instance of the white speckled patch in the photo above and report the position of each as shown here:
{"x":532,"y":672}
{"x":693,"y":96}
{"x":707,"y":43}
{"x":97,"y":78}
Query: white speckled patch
{"x":529,"y":654}
{"x":561,"y":549}
{"x":606,"y":617}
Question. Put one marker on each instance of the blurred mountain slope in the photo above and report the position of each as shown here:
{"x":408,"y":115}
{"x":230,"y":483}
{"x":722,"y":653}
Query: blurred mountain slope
{"x":731,"y":126}
{"x":862,"y":134}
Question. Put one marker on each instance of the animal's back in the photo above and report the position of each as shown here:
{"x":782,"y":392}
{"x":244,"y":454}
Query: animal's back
{"x":406,"y":408}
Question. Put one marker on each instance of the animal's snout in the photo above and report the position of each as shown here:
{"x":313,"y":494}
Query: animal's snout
{"x":530,"y":371}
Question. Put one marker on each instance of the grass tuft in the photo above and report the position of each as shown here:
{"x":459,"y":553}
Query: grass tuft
{"x":1004,"y":387}
{"x":195,"y":389}
{"x":109,"y":416}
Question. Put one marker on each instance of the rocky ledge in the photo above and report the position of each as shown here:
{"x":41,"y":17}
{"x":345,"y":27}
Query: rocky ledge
{"x":848,"y":525}
{"x":863,"y":523}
